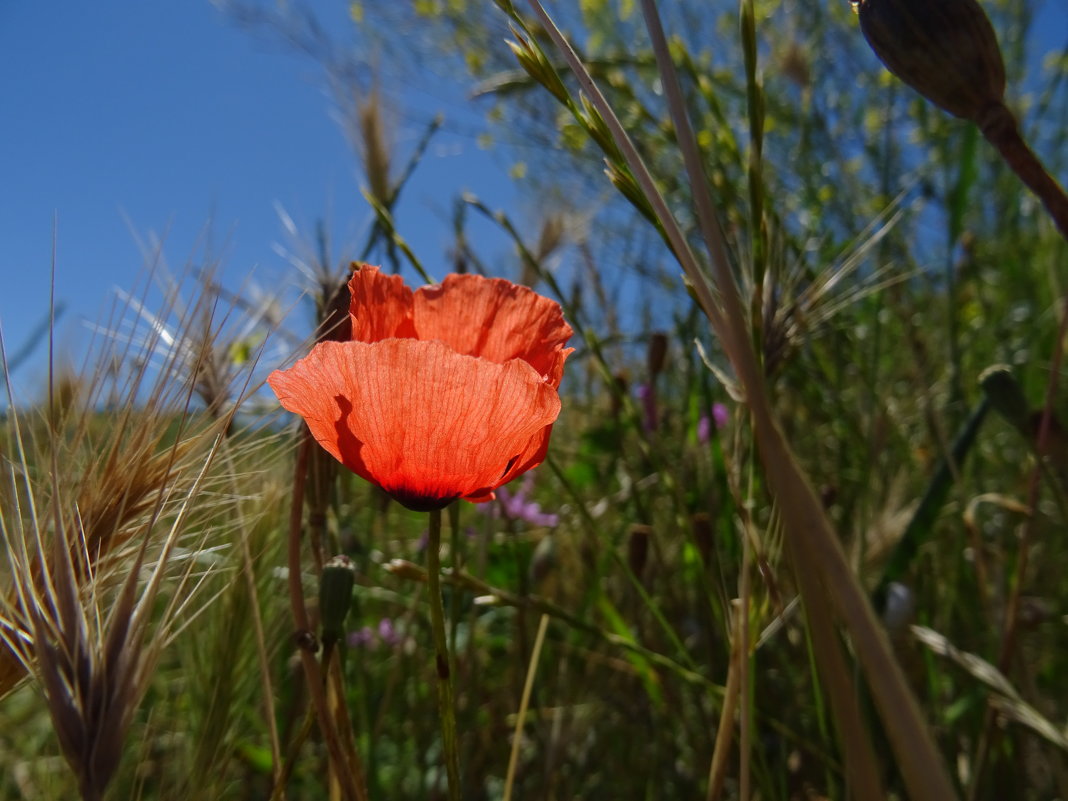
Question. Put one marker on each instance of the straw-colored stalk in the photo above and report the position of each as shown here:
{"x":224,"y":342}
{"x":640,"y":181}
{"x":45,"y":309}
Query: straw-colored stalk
{"x":102,"y":492}
{"x":814,"y":543}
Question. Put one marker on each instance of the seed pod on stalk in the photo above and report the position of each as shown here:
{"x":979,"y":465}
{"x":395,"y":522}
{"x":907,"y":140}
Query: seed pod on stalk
{"x":335,"y":596}
{"x":945,"y":50}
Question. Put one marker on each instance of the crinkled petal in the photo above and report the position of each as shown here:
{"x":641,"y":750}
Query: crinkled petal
{"x":381,"y":306}
{"x":426,"y":424}
{"x":532,"y":455}
{"x":496,"y":320}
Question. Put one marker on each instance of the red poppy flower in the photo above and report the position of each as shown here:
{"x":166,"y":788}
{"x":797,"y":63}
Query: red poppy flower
{"x":443,"y":393}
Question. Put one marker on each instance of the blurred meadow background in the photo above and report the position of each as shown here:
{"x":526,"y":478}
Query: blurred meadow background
{"x":626,"y":621}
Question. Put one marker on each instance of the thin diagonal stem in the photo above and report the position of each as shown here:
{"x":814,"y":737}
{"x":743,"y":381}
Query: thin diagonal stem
{"x":446,"y":702}
{"x":921,"y":765}
{"x":524,"y":704}
{"x":1000,"y":128}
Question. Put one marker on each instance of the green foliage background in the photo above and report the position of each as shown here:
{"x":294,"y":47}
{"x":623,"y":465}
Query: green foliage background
{"x":888,"y":258}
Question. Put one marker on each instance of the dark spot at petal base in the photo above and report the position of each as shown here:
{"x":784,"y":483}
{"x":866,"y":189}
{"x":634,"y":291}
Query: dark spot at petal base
{"x":420,"y":503}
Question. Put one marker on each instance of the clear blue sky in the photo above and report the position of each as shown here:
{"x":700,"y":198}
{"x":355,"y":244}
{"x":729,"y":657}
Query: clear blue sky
{"x":163,"y":117}
{"x":169,"y":116}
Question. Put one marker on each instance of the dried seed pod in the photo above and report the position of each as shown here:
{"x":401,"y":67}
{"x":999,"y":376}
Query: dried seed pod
{"x":945,"y":50}
{"x":656,"y":353}
{"x":638,"y":548}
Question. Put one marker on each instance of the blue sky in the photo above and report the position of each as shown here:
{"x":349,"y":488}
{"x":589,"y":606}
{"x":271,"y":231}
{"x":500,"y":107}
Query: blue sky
{"x":126,"y":118}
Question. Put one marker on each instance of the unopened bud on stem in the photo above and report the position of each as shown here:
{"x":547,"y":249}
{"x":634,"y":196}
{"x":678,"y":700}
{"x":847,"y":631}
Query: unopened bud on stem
{"x":947,"y":51}
{"x":335,"y":595}
{"x":944,"y":49}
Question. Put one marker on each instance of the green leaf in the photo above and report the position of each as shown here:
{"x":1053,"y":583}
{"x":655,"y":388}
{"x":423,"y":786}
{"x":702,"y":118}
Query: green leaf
{"x":649,"y":677}
{"x":967,"y":171}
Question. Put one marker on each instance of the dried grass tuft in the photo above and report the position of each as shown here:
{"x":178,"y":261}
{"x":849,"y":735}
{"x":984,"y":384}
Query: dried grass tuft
{"x":370,"y":135}
{"x":103,"y":491}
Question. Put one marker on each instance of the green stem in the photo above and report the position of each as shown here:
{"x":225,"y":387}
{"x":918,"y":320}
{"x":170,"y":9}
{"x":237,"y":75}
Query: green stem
{"x":446,"y":704}
{"x":1000,"y":128}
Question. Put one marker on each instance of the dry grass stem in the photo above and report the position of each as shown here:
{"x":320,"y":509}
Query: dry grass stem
{"x":804,"y":519}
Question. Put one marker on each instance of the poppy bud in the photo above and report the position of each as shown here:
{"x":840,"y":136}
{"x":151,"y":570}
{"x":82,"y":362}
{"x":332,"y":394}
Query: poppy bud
{"x":335,"y":595}
{"x":638,"y":548}
{"x":1004,"y":393}
{"x":900,"y":607}
{"x":945,"y":50}
{"x":657,"y":352}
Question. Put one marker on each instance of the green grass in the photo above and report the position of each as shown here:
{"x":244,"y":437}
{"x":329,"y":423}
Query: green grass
{"x":885,"y":258}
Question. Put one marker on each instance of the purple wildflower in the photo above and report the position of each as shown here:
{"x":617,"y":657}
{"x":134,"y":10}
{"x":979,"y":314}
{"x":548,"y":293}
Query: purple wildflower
{"x":719,"y":418}
{"x":518,"y":506}
{"x":370,"y":638}
{"x":647,"y":396}
{"x":363,"y":638}
{"x":388,"y":633}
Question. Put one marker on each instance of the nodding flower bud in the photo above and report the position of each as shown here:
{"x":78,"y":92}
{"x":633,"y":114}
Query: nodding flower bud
{"x":1005,"y":395}
{"x":944,"y":49}
{"x":335,"y":595}
{"x":638,"y":548}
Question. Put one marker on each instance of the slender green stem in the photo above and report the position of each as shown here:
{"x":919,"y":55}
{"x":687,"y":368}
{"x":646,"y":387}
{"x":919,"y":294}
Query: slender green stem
{"x":446,"y":704}
{"x":412,"y":572}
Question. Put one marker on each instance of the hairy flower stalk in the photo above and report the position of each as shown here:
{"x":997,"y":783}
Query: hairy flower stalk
{"x":948,"y":52}
{"x":921,"y":767}
{"x":442,"y":662}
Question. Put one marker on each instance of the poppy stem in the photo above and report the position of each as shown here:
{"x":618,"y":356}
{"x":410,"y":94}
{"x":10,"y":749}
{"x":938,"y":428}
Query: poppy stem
{"x":446,"y":703}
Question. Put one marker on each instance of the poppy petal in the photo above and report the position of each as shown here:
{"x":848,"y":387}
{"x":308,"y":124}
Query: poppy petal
{"x":496,"y":320}
{"x":531,"y":456}
{"x":381,"y":306}
{"x":426,"y":424}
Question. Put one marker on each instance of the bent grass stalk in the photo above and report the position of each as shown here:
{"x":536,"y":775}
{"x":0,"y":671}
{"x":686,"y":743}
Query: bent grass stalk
{"x":998,"y":125}
{"x":1010,"y":623}
{"x":489,"y":594}
{"x":717,"y":769}
{"x":442,"y":663}
{"x":1000,"y":128}
{"x":524,"y":704}
{"x":921,"y":765}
